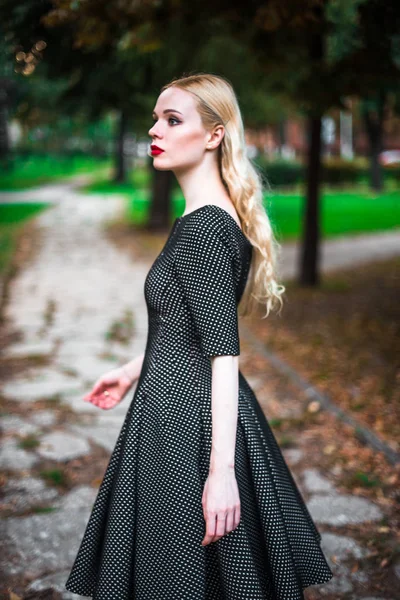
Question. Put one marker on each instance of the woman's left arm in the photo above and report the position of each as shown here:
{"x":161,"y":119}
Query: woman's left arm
{"x":205,"y":267}
{"x":221,"y":502}
{"x":224,"y":406}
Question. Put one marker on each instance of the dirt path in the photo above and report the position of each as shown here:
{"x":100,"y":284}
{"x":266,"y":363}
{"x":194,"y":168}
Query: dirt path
{"x":66,"y":304}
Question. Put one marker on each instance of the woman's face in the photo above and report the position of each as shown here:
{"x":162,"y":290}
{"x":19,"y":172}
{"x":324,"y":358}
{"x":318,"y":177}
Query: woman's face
{"x":178,"y":131}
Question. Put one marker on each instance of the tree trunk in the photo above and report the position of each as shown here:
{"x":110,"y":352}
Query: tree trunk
{"x":282,"y":132}
{"x":309,"y":257}
{"x":4,"y":137}
{"x":161,"y":198}
{"x":373,"y":119}
{"x":120,"y":166}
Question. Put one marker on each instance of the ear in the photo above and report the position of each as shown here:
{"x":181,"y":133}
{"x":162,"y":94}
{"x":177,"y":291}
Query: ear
{"x":215,"y":137}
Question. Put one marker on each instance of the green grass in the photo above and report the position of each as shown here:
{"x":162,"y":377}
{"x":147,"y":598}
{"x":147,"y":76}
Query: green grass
{"x":137,"y":179}
{"x":344,"y":211}
{"x":364,"y":479}
{"x":341,"y":213}
{"x":34,"y":170}
{"x":20,"y":211}
{"x":54,"y":476}
{"x":30,"y":441}
{"x":12,"y":216}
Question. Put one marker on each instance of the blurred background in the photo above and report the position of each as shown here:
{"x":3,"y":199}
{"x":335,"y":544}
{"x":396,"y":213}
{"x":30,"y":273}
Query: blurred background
{"x":83,"y":215}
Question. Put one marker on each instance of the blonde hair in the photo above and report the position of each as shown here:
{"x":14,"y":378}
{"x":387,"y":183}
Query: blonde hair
{"x":217,"y":105}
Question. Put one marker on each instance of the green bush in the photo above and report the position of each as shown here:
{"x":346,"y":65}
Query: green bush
{"x":281,"y":172}
{"x":335,"y":171}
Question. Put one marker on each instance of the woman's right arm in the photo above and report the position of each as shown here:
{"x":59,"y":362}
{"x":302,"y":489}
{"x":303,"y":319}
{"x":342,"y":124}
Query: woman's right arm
{"x":112,"y":387}
{"x":134,"y":367}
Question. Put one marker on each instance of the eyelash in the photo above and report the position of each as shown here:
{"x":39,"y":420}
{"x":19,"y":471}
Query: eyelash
{"x":173,"y":119}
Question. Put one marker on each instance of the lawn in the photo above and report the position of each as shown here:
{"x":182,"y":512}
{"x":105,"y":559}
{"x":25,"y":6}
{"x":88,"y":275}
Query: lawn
{"x":343,"y":212}
{"x":33,"y":171}
{"x":12,"y":218}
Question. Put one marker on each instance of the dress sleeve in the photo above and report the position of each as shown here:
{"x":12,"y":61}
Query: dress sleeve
{"x":204,"y":265}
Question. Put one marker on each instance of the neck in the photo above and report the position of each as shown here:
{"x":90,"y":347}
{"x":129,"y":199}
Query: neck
{"x":202,"y":184}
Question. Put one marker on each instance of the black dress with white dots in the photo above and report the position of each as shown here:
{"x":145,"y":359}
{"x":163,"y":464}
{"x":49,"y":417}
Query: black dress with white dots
{"x":143,"y":537}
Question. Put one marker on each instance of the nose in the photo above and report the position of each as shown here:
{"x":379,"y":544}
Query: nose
{"x":153,"y":131}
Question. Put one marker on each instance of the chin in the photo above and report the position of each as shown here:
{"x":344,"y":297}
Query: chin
{"x":159,"y":166}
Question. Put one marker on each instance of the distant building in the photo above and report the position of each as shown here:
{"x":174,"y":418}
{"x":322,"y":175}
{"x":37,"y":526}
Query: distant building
{"x":289,"y":138}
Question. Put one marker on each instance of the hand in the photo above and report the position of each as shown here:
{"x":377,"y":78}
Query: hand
{"x":110,"y":389}
{"x":221,"y":504}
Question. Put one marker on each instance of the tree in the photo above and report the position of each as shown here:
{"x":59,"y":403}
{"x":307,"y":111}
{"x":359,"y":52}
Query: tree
{"x":7,"y":92}
{"x":300,"y":47}
{"x":109,"y":66}
{"x":365,"y":45}
{"x":85,"y":83}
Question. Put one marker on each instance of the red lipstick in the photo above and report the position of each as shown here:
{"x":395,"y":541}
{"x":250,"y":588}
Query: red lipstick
{"x":155,"y":150}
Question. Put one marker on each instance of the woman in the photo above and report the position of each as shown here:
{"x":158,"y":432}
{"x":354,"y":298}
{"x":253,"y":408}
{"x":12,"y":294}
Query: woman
{"x":197,"y":501}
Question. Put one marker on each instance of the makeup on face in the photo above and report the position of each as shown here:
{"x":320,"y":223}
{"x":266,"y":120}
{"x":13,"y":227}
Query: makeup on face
{"x":155,"y":150}
{"x":177,"y":135}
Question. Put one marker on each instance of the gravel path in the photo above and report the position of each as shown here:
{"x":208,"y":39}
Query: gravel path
{"x":65,"y":303}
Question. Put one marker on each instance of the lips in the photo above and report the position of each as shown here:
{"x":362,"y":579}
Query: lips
{"x":155,"y":150}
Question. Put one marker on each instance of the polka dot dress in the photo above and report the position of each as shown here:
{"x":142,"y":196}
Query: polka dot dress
{"x":143,"y":537}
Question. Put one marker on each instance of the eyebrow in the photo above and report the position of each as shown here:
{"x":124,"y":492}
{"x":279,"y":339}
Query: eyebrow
{"x":167,"y":110}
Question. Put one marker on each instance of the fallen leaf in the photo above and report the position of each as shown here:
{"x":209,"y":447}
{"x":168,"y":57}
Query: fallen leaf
{"x":329,"y":449}
{"x":384,"y":562}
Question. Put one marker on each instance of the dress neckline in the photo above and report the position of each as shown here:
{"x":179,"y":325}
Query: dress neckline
{"x":221,"y":209}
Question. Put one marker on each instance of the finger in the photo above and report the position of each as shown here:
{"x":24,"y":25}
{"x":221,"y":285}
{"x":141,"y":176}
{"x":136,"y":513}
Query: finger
{"x":230,"y":519}
{"x":208,"y":538}
{"x":110,"y":403}
{"x":98,"y":388}
{"x":107,"y":403}
{"x":237,"y":516}
{"x":92,"y":399}
{"x":103,"y":402}
{"x":98,"y":400}
{"x":210,"y":528}
{"x":221,"y":524}
{"x":90,"y":396}
{"x":103,"y":397}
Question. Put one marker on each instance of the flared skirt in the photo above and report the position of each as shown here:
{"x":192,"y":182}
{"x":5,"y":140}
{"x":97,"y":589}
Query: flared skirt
{"x":143,"y":537}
